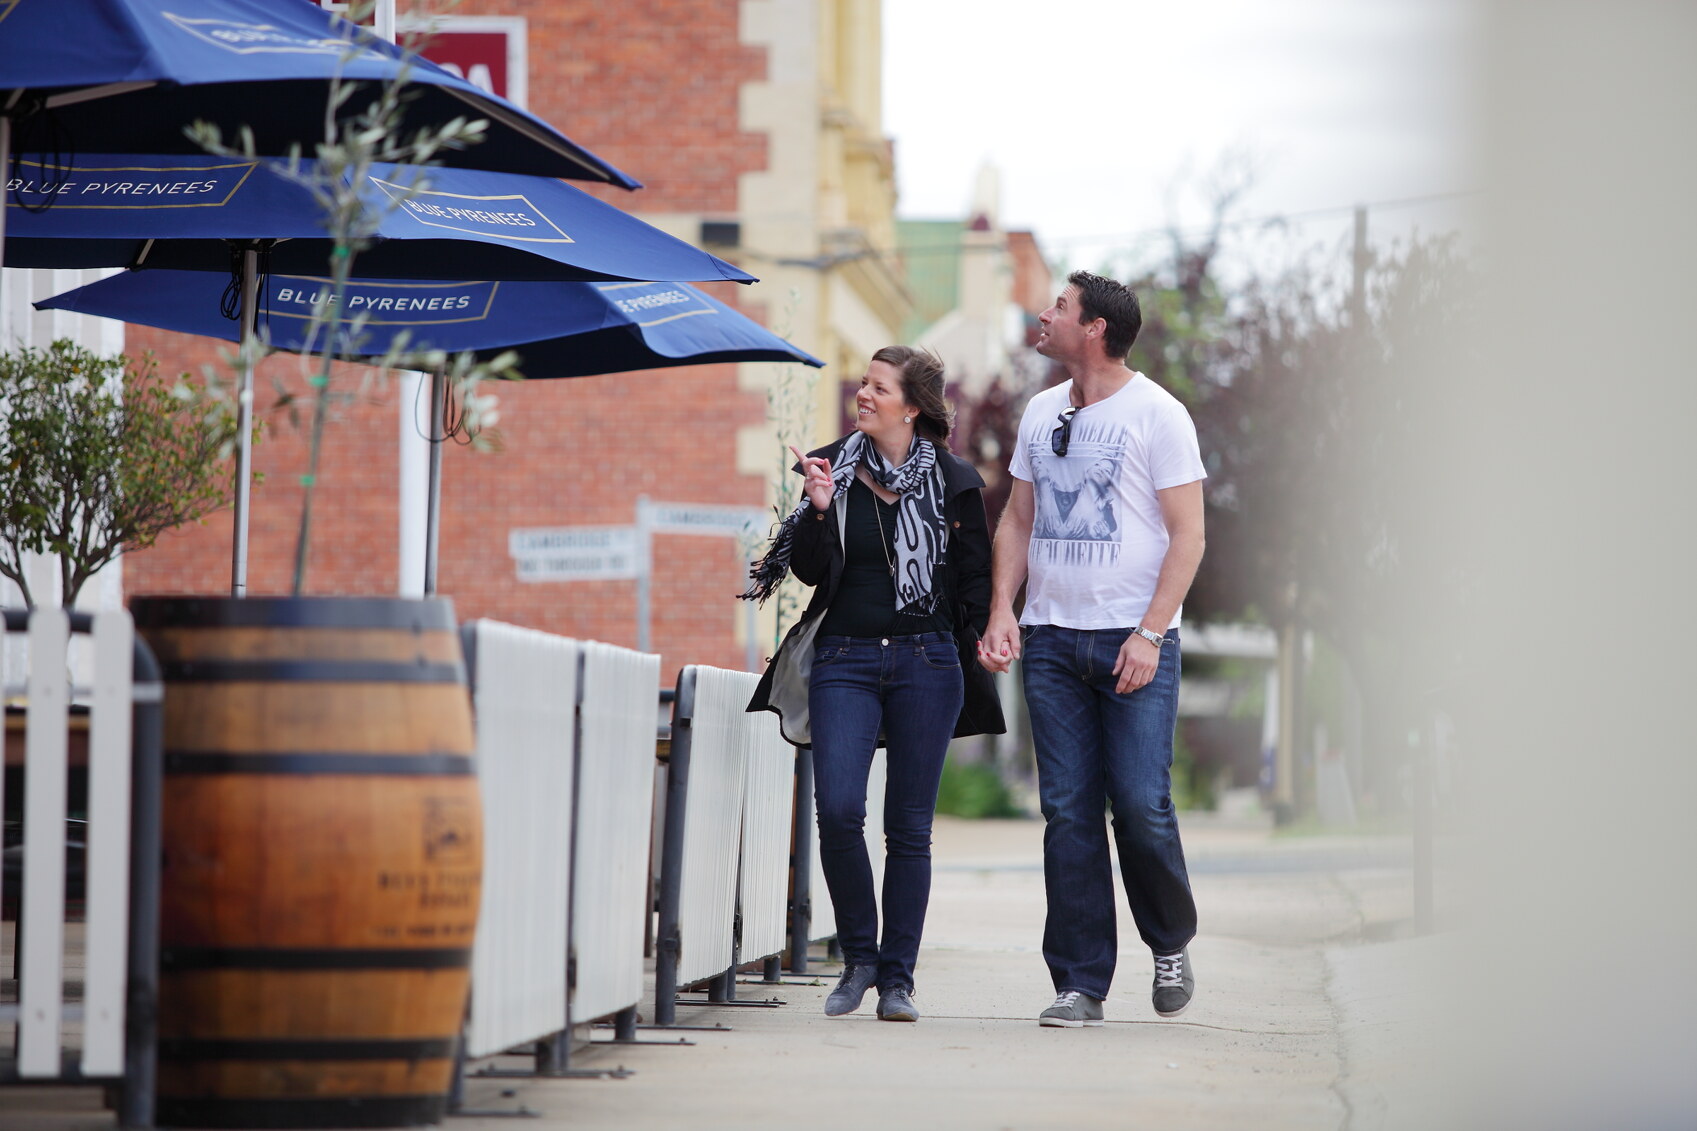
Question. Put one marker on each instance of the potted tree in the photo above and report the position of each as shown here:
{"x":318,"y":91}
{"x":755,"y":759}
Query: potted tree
{"x":323,"y":826}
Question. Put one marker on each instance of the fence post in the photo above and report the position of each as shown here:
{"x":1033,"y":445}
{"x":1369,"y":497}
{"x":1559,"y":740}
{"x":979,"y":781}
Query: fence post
{"x":141,"y":1006}
{"x":667,"y":942}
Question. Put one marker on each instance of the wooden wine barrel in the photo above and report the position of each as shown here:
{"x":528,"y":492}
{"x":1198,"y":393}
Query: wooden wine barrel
{"x":323,"y":858}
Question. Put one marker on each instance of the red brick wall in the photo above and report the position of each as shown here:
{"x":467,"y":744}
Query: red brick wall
{"x":652,"y":87}
{"x":355,"y":528}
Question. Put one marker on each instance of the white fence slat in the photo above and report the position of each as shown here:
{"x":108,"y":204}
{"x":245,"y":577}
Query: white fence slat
{"x":40,"y":995}
{"x":718,"y":765}
{"x":768,"y":809}
{"x":526,"y":703}
{"x":823,"y":923}
{"x":610,"y":886}
{"x":108,"y":888}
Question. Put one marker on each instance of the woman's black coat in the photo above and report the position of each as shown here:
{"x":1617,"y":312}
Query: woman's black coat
{"x":963,"y":579}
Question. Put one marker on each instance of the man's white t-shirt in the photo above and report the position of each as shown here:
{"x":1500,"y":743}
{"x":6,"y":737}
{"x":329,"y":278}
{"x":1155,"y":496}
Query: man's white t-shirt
{"x":1097,"y":539}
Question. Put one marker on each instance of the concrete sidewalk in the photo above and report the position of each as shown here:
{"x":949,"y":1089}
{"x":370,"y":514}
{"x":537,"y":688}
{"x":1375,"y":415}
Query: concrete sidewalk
{"x":1259,"y":1048}
{"x":1295,"y":1024}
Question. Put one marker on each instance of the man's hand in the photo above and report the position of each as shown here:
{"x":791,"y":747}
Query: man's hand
{"x":999,"y":647}
{"x":1136,"y":664}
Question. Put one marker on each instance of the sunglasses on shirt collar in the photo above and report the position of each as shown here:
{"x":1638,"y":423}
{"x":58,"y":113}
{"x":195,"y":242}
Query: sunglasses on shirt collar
{"x":1062,"y":435}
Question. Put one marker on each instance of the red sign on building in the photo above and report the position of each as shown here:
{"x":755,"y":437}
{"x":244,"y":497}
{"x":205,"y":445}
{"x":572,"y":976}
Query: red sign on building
{"x":486,"y":51}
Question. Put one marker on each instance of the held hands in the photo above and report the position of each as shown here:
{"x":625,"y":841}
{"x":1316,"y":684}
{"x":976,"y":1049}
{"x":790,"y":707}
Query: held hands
{"x":1136,"y":664}
{"x":818,"y":480}
{"x":999,"y":646}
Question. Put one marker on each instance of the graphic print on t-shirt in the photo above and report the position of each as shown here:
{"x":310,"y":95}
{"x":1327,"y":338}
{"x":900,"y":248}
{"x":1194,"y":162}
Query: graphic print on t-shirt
{"x":1076,"y":521}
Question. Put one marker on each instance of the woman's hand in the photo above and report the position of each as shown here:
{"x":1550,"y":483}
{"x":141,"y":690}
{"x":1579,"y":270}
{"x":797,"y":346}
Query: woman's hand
{"x":818,"y":480}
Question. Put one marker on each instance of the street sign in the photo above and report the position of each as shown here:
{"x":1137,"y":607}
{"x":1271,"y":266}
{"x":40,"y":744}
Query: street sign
{"x":746,"y":524}
{"x":575,"y":553}
{"x":702,"y":518}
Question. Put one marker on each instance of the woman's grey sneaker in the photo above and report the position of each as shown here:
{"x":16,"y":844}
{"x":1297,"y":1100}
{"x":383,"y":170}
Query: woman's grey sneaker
{"x":896,"y":1004}
{"x":1175,"y":983}
{"x":1072,"y":1010}
{"x":851,"y":987}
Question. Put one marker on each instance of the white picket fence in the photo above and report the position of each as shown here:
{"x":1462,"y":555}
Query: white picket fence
{"x":93,"y":1039}
{"x":42,"y":1012}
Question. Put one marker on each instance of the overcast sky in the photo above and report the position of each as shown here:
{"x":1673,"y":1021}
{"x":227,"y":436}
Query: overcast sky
{"x":1093,"y":110}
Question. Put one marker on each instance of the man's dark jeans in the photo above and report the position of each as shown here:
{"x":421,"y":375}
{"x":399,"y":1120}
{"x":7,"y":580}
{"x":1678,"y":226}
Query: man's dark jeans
{"x":911,"y":688}
{"x":1094,"y":744}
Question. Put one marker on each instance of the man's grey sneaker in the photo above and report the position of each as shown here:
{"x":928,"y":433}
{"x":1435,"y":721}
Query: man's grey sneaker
{"x":1175,"y":983}
{"x":1072,"y":1010}
{"x":896,"y":1004}
{"x":851,"y":987}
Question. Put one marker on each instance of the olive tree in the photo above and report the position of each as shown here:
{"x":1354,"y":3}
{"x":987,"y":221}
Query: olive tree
{"x":99,"y":455}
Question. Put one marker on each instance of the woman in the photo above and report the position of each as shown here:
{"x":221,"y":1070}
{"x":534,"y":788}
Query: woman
{"x":890,"y":532}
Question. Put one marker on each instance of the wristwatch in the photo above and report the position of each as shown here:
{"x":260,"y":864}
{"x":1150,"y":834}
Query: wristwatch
{"x":1154,"y":638}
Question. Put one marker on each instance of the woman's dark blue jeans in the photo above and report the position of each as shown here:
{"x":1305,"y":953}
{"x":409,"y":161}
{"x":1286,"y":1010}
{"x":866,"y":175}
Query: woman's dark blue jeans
{"x":1096,"y":747}
{"x":909,"y":688}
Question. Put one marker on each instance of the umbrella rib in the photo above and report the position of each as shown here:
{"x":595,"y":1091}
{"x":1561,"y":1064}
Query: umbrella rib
{"x":90,"y":93}
{"x":519,"y":125}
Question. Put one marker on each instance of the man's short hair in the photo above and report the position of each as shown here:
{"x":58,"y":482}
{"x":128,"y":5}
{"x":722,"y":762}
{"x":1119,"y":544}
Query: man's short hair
{"x":1116,"y":304}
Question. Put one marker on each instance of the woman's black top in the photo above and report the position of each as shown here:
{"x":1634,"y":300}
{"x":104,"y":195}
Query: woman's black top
{"x":865,"y":601}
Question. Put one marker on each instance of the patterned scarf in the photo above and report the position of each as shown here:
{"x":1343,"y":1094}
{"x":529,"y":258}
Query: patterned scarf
{"x":921,"y":534}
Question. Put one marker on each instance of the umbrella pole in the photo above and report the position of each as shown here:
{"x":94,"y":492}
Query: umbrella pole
{"x":244,"y":420}
{"x":5,"y":175}
{"x":433,"y":500}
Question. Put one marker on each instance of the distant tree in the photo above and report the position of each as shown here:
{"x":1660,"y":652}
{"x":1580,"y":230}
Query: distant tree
{"x":1309,"y":404}
{"x":986,"y":429}
{"x":98,"y":456}
{"x":1308,"y":429}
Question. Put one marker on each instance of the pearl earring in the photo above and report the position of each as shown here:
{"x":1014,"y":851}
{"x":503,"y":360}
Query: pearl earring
{"x":907,"y":420}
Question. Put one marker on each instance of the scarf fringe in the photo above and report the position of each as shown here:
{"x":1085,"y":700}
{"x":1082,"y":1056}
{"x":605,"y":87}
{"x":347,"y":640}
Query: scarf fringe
{"x":769,"y":572}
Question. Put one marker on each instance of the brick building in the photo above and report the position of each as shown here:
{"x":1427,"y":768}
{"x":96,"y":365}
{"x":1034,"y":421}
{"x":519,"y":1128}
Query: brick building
{"x":754,"y":125}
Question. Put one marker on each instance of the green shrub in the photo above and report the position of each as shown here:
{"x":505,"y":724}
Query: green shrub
{"x":1191,"y":787}
{"x":974,"y":790}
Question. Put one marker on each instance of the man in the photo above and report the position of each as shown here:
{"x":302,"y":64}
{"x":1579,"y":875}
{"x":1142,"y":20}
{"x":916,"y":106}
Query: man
{"x":1104,"y":527}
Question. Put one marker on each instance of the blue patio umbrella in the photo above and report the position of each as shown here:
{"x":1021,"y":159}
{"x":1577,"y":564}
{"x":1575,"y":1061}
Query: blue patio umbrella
{"x":559,"y":329}
{"x":118,"y":210}
{"x":114,"y":76}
